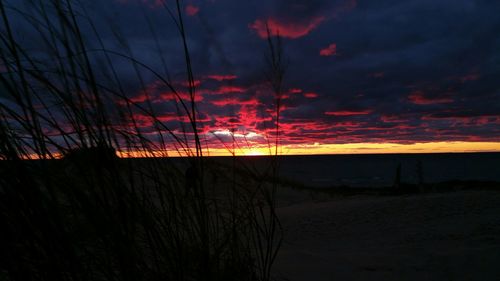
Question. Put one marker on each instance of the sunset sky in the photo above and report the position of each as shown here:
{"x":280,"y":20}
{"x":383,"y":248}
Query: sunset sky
{"x":362,"y":76}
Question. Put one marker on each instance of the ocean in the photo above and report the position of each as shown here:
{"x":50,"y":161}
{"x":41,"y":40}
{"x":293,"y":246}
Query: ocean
{"x":376,"y":170}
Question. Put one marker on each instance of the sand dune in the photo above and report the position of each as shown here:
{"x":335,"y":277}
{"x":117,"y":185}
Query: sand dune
{"x":441,"y":236}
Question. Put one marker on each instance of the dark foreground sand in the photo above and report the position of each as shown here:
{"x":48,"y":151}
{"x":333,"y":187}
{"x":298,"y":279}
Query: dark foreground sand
{"x":439,"y":236}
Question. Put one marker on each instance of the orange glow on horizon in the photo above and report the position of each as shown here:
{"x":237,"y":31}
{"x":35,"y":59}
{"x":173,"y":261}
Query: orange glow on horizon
{"x":348,"y":148}
{"x":320,"y":149}
{"x":369,"y":148}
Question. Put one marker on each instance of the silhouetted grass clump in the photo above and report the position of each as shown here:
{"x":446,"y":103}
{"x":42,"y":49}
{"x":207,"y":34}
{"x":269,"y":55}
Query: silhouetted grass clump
{"x":70,"y":209}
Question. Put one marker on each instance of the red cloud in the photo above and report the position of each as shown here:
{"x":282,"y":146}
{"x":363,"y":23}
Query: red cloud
{"x":311,"y":95}
{"x":228,"y":89}
{"x":192,"y":10}
{"x":173,"y":117}
{"x":196,"y":83}
{"x":418,"y":97}
{"x":295,"y":91}
{"x":329,"y":51}
{"x":140,"y":98}
{"x":285,"y":29}
{"x":221,"y":78}
{"x":146,"y":121}
{"x":247,"y":117}
{"x":391,"y":118}
{"x":349,"y":112}
{"x":474,"y":120}
{"x":234,"y":101}
{"x":170,"y":96}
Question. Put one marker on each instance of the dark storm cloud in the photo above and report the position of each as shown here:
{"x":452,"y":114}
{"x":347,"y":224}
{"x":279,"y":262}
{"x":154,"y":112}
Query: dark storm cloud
{"x":405,"y":71}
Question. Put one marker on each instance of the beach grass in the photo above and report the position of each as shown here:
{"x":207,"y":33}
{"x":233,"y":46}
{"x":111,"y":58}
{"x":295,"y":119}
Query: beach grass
{"x":71,"y":209}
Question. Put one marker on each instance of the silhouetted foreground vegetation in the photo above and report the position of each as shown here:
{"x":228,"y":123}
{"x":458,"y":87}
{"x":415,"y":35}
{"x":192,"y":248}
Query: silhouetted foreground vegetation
{"x":91,"y":215}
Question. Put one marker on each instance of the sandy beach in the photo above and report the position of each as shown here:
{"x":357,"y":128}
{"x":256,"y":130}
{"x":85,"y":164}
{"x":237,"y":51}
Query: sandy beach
{"x":435,"y":236}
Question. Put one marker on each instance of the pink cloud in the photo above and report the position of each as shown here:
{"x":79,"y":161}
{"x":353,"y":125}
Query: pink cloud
{"x":196,"y":83}
{"x":391,"y":118}
{"x":235,"y":101}
{"x":290,"y":30}
{"x":221,"y":78}
{"x":310,"y":95}
{"x":464,"y":120}
{"x":297,"y":29}
{"x":185,"y":96}
{"x":329,"y":51}
{"x":228,"y":89}
{"x":295,"y":91}
{"x":142,"y":97}
{"x":192,"y":10}
{"x":419,"y":97}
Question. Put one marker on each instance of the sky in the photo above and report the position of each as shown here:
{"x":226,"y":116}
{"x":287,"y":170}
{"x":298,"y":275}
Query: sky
{"x":361,"y":76}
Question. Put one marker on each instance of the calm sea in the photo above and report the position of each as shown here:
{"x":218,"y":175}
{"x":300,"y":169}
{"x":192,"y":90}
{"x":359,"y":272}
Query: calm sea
{"x":380,"y":169}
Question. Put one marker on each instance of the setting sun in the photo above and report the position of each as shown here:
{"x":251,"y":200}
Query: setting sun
{"x":254,"y":152}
